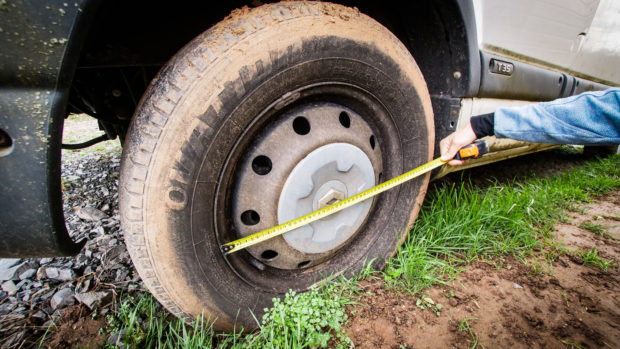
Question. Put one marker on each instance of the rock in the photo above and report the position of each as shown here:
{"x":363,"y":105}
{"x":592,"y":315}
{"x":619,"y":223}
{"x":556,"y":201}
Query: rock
{"x":9,"y":287}
{"x":46,"y":260}
{"x":82,"y":286}
{"x":13,"y":272}
{"x":8,"y":268}
{"x":60,"y":274}
{"x":13,"y":339}
{"x":39,"y":315}
{"x":92,"y":299}
{"x":7,"y":307}
{"x":80,"y":261}
{"x":27,"y":274}
{"x":117,"y":338}
{"x":91,"y":214}
{"x":41,"y":273}
{"x":52,"y":273}
{"x":516,"y":285}
{"x":47,"y":295}
{"x":23,"y":285}
{"x":62,"y":299}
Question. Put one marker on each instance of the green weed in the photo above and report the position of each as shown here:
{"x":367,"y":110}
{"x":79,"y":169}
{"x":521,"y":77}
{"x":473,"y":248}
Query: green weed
{"x":591,"y":257}
{"x":464,"y":326}
{"x":428,"y":303}
{"x":594,"y":228}
{"x":311,"y":319}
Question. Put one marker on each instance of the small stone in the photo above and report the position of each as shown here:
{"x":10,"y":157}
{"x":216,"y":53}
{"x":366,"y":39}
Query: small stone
{"x":91,"y":299}
{"x":39,"y":315}
{"x":52,"y":273}
{"x":8,"y":268}
{"x":42,"y":273}
{"x":62,"y":299}
{"x":66,"y":274}
{"x":91,"y":214}
{"x":82,"y":286}
{"x":47,"y":295}
{"x":80,"y":261}
{"x":516,"y":285}
{"x":9,"y":287}
{"x":13,"y":272}
{"x":46,"y":260}
{"x":27,"y":274}
{"x":7,"y":307}
{"x":60,"y":274}
{"x":23,"y":285}
{"x":117,"y":338}
{"x":13,"y":339}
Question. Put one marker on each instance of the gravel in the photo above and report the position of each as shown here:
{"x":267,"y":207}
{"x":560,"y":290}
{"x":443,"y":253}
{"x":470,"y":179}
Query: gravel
{"x":37,"y":291}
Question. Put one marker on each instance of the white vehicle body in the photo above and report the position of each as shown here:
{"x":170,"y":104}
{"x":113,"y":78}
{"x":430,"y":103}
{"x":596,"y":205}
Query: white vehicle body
{"x":581,"y":37}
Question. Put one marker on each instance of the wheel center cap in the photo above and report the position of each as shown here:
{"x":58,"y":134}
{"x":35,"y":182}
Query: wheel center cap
{"x":331,"y":197}
{"x":327,"y":175}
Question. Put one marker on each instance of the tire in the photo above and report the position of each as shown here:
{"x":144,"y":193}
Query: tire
{"x":192,"y":150}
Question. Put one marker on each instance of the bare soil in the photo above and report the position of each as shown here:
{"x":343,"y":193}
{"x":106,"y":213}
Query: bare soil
{"x":76,"y":329}
{"x":550,"y":300}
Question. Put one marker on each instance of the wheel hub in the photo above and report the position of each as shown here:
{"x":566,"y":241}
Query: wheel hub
{"x":313,"y":155}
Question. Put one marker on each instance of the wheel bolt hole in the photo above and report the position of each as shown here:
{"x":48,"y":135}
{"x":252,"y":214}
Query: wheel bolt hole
{"x":269,"y":255}
{"x":303,"y":264}
{"x":301,"y":126}
{"x":372,"y":142}
{"x":250,"y":217}
{"x":6,"y":143}
{"x":261,"y":165}
{"x":344,"y":119}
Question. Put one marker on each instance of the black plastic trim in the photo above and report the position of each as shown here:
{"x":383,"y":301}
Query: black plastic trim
{"x":529,"y":82}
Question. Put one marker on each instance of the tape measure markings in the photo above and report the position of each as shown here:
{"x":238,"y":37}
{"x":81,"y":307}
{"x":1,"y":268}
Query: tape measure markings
{"x":272,"y":232}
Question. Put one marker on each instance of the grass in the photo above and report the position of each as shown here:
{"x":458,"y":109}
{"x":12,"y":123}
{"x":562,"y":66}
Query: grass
{"x":594,"y":228}
{"x":591,"y":257}
{"x":465,"y":326}
{"x":458,"y":223}
{"x":314,"y":319}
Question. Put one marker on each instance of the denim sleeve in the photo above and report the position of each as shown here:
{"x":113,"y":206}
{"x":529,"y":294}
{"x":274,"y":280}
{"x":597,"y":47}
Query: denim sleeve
{"x":591,"y":118}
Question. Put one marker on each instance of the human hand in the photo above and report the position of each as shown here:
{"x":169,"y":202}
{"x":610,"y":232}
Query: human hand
{"x":450,"y":145}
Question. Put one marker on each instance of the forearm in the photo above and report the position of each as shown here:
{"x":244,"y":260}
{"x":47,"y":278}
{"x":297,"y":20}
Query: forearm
{"x":587,"y":119}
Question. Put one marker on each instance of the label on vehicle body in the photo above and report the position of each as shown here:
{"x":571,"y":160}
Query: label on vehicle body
{"x":501,"y":67}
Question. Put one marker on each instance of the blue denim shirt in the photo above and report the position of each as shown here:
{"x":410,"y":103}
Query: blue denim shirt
{"x":591,"y":118}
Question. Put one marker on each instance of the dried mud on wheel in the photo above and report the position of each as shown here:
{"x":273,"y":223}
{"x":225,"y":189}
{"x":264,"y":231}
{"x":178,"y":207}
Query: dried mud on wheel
{"x":518,"y":305}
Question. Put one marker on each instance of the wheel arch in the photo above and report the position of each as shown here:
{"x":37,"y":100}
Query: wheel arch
{"x":441,"y":36}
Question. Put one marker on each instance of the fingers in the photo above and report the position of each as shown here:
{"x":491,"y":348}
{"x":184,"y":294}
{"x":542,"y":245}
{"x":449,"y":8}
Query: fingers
{"x":450,"y":145}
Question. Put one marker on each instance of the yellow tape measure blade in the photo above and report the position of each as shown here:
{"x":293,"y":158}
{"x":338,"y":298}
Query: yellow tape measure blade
{"x":272,"y":232}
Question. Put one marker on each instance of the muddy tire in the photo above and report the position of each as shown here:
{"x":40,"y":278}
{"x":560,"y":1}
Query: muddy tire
{"x":233,"y":97}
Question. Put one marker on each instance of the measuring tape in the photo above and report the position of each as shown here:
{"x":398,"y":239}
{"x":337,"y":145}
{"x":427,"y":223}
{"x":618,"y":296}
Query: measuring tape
{"x":472,"y":151}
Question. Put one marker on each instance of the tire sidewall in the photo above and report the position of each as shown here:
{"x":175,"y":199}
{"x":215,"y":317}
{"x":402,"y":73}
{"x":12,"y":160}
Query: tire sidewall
{"x":208,"y":119}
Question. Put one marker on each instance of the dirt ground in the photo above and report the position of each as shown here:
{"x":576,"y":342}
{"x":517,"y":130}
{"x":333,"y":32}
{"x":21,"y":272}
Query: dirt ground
{"x":509,"y":303}
{"x":76,"y":329}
